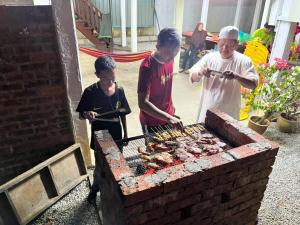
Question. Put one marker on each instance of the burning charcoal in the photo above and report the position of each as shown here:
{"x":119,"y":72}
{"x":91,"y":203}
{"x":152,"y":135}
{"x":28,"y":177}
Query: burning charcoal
{"x":140,"y":169}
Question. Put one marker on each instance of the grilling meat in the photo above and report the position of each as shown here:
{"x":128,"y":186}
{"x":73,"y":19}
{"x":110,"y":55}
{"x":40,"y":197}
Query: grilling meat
{"x":172,"y":143}
{"x":162,"y":148}
{"x":195,"y":150}
{"x":150,"y":147}
{"x":164,"y":158}
{"x":142,"y":151}
{"x":146,"y":157}
{"x":182,"y":154}
{"x":153,"y":165}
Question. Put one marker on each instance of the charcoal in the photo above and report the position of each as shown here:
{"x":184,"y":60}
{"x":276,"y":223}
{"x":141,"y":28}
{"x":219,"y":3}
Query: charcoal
{"x":140,"y":169}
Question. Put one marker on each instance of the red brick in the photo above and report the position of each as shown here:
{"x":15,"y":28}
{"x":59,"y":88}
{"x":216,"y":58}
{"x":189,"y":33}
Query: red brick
{"x":162,"y":200}
{"x":145,"y":217}
{"x":141,"y":192}
{"x":183,"y":203}
{"x":177,"y":179}
{"x":166,"y":219}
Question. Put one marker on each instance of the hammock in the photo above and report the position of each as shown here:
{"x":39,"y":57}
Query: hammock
{"x":117,"y":57}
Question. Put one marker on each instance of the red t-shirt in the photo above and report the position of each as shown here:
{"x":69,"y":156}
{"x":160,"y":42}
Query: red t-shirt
{"x":156,"y":80}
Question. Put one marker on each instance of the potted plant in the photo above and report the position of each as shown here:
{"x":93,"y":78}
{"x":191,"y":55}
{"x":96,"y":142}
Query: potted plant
{"x":279,"y":93}
{"x":289,"y":100}
{"x":267,"y":97}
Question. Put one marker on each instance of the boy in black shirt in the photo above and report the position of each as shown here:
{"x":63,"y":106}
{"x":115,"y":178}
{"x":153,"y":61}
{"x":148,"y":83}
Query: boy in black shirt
{"x":101,"y":97}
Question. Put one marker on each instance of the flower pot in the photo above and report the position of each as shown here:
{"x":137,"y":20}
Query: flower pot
{"x":287,"y":126}
{"x":259,"y":128}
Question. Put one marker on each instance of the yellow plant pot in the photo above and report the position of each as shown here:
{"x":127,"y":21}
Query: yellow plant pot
{"x":259,"y":128}
{"x":287,"y":126}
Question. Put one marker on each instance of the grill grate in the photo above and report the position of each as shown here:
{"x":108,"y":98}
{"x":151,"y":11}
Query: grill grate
{"x":130,"y":151}
{"x":130,"y":148}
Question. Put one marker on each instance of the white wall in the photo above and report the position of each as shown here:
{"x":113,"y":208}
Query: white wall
{"x":192,"y":14}
{"x":247,"y":15}
{"x":165,"y":10}
{"x":220,"y":13}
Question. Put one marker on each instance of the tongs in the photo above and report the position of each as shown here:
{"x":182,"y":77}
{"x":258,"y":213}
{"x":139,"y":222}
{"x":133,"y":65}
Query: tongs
{"x":113,"y":112}
{"x":218,"y":73}
{"x":114,"y":120}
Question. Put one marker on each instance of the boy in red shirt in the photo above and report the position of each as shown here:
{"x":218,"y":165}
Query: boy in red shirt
{"x":155,"y":83}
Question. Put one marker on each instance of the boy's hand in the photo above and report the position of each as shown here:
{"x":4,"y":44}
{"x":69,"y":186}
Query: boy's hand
{"x":90,"y":115}
{"x":175,"y":122}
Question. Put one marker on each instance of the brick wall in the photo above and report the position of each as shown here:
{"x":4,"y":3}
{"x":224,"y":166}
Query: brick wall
{"x":35,"y":121}
{"x":226,"y":190}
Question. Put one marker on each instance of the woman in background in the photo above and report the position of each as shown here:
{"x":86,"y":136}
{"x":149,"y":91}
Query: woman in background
{"x":196,"y":46}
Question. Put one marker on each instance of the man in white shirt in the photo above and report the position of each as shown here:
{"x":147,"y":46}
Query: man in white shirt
{"x":222,"y":74}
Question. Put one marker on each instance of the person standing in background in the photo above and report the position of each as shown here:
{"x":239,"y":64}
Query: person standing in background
{"x":196,"y":46}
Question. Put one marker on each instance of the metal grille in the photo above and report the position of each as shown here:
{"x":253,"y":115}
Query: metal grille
{"x":130,"y":147}
{"x":130,"y":151}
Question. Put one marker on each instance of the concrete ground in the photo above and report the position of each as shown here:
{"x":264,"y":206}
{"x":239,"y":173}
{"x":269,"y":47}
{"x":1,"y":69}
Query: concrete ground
{"x":281,"y":205}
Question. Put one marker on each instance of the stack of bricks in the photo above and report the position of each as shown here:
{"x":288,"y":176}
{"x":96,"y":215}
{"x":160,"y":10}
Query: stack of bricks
{"x":221,"y":189}
{"x":35,"y":119}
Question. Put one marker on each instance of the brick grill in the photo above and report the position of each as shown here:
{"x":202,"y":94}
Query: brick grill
{"x":221,"y":189}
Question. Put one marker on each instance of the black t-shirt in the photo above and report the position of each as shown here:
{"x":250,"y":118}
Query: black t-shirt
{"x":94,"y":99}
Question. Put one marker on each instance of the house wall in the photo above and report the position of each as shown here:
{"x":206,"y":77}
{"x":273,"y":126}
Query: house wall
{"x":145,"y":12}
{"x":35,"y":118}
{"x":165,"y":10}
{"x":221,"y":13}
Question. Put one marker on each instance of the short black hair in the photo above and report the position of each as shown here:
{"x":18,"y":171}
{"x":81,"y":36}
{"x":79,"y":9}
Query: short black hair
{"x":268,"y":26}
{"x":104,"y":63}
{"x":168,"y":37}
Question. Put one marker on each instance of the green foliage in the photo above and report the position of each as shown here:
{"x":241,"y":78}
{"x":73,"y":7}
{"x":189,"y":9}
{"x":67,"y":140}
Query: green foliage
{"x":280,"y":91}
